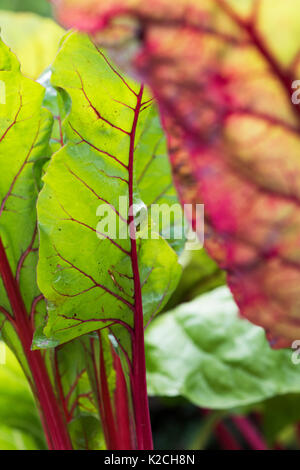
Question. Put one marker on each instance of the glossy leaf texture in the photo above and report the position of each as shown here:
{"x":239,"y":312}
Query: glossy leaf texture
{"x":225,"y":361}
{"x":87,"y":275}
{"x":222,"y":72}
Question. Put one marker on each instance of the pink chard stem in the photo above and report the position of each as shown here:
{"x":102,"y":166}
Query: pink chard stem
{"x":250,"y":433}
{"x":52,"y":417}
{"x":138,"y":375}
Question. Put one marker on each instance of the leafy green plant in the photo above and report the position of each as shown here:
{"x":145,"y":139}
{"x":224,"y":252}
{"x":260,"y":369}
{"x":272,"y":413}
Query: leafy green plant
{"x":125,"y":283}
{"x":225,"y":362}
{"x":85,"y":267}
{"x":229,"y":130}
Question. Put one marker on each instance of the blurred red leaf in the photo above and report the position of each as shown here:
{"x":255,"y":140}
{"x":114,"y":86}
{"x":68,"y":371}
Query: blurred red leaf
{"x":222,"y":72}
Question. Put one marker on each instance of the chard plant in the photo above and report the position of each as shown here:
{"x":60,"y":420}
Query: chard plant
{"x":88,"y":282}
{"x":111,"y":282}
{"x":85,"y":151}
{"x":230,"y":132}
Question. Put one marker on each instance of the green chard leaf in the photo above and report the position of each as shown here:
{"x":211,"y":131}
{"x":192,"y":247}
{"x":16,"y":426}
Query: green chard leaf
{"x":226,"y":76}
{"x":25,"y":130}
{"x":113,"y":139}
{"x":224,"y":361}
{"x":116,"y":283}
{"x":37,"y":44}
{"x":53,"y":101}
{"x":154,"y":179}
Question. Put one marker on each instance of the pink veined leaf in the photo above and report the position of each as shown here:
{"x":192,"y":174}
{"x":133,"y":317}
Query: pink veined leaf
{"x":59,"y":383}
{"x":223,"y":73}
{"x":21,"y":303}
{"x":114,"y":283}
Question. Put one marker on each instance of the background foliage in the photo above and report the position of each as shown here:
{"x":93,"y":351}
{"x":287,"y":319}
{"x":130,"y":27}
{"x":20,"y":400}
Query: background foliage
{"x":36,"y":6}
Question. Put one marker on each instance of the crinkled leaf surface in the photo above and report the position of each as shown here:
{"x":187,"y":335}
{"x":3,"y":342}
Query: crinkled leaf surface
{"x":222,"y":71}
{"x":87,"y":276}
{"x":224,"y":361}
